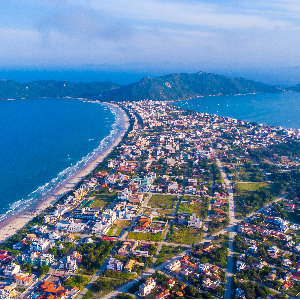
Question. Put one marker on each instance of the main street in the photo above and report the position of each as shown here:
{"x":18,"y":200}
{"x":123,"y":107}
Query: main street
{"x":231,"y":228}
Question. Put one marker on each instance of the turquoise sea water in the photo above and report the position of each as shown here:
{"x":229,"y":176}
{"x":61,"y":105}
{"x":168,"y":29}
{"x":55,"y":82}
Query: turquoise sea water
{"x":44,"y":141}
{"x":270,"y":109}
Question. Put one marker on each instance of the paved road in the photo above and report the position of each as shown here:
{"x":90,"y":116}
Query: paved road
{"x":232,"y":232}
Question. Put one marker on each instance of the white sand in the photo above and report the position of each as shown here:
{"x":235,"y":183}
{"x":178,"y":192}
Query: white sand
{"x":12,"y":224}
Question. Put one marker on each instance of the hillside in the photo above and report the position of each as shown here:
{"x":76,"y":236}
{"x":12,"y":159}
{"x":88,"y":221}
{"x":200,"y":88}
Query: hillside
{"x":295,"y":88}
{"x":10,"y":89}
{"x":184,"y":86}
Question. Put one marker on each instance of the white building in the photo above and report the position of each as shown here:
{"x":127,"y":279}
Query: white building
{"x":11,"y":270}
{"x":173,"y":266}
{"x":100,"y":228}
{"x":194,"y":222}
{"x":147,"y":287}
{"x":114,"y":265}
{"x":39,"y":245}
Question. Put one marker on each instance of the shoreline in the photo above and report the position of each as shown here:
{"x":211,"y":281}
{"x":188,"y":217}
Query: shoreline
{"x":10,"y":225}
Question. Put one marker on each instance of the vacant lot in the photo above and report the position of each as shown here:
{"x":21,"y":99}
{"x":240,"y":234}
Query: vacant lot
{"x":156,"y":237}
{"x":184,"y":235}
{"x":165,"y":200}
{"x":168,"y":252}
{"x":102,"y":200}
{"x":253,"y":186}
{"x":199,"y":207}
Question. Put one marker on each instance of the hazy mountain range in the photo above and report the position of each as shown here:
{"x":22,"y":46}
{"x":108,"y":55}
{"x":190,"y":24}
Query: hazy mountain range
{"x":168,"y":87}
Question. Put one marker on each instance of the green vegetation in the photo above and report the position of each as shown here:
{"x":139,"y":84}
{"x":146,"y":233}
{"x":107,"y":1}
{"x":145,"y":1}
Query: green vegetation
{"x":103,"y":286}
{"x":248,"y":201}
{"x":42,"y":270}
{"x":155,"y":237}
{"x":104,"y":199}
{"x":217,"y":255}
{"x":199,"y":207}
{"x":217,"y":224}
{"x":168,"y":252}
{"x":166,"y":200}
{"x":252,"y":290}
{"x":89,"y":295}
{"x":186,"y":86}
{"x":253,"y":186}
{"x":10,"y":89}
{"x":94,"y":255}
{"x":78,"y":281}
{"x":184,"y":235}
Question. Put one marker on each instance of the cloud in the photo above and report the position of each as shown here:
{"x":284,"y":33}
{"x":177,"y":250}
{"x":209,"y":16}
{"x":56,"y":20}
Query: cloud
{"x":185,"y":13}
{"x":82,"y":23}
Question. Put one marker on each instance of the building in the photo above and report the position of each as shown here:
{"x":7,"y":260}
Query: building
{"x":194,"y":222}
{"x":11,"y":270}
{"x":39,"y":245}
{"x":173,"y":266}
{"x":114,"y":265}
{"x":147,"y":287}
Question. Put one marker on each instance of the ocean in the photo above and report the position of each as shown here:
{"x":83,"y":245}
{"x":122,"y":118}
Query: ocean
{"x":282,"y":109}
{"x":45,"y":141}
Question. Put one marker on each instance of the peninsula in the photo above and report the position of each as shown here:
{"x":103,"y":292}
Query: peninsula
{"x":187,"y":205}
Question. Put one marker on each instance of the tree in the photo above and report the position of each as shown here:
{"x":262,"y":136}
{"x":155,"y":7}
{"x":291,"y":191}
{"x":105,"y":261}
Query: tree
{"x":43,"y":269}
{"x":27,"y":267}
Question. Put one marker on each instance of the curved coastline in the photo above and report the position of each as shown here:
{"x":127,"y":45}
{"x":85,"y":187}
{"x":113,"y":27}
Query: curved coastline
{"x":12,"y":223}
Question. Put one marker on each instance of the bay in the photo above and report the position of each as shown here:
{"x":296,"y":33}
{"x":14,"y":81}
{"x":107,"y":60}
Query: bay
{"x":40,"y":141}
{"x":282,"y":109}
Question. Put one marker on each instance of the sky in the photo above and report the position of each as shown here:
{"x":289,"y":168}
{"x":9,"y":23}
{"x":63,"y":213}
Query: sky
{"x":151,"y":36}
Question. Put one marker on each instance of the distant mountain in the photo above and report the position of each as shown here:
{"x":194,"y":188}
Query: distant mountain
{"x":10,"y":89}
{"x":185,"y":86}
{"x":295,"y":88}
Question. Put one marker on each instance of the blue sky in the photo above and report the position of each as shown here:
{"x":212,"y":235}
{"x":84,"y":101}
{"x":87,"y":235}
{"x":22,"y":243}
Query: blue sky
{"x":166,"y":35}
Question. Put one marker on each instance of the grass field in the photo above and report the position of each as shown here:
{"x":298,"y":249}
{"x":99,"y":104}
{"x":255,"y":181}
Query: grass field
{"x":102,"y":200}
{"x":246,"y":189}
{"x":253,"y":186}
{"x":168,"y":252}
{"x":199,"y":208}
{"x":183,"y":235}
{"x":117,"y":228}
{"x":163,"y":199}
{"x":156,"y":237}
{"x":110,"y":285}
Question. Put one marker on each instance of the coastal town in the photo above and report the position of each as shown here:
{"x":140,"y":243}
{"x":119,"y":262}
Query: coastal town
{"x":188,"y":205}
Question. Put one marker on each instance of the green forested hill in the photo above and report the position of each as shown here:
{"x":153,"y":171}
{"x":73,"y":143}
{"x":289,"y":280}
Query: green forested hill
{"x":50,"y":88}
{"x":168,"y":87}
{"x":184,"y":86}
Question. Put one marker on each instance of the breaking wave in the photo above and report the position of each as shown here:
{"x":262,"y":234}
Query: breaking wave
{"x":48,"y":189}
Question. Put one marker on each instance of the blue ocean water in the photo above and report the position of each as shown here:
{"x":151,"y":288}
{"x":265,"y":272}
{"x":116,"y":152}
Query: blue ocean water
{"x":44,"y":141}
{"x":281,"y":109}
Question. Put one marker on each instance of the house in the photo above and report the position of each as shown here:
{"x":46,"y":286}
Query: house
{"x":173,"y":266}
{"x":23,"y":279}
{"x":271,"y":277}
{"x":147,"y":287}
{"x":207,"y":246}
{"x":273,"y":250}
{"x":296,"y":276}
{"x":164,"y":294}
{"x":114,"y":265}
{"x":194,"y":222}
{"x":253,"y":248}
{"x":171,"y":282}
{"x":240,"y":293}
{"x":11,"y":270}
{"x":8,"y":292}
{"x":129,"y":265}
{"x":240,"y":265}
{"x":39,"y":245}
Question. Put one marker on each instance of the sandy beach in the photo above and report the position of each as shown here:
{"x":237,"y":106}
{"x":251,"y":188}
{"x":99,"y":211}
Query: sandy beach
{"x":12,"y":224}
